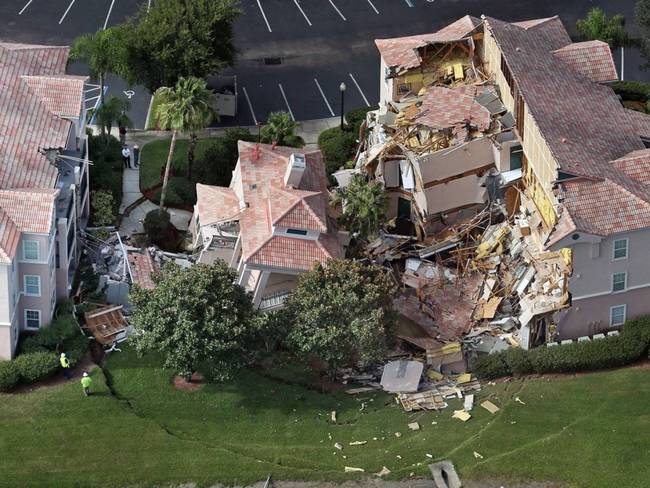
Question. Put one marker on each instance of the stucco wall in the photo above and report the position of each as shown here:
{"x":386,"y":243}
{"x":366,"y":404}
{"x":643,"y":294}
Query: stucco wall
{"x":591,"y":315}
{"x":457,"y":160}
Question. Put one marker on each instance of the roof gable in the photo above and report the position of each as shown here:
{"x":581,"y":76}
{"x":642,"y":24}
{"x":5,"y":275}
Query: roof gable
{"x":592,"y":59}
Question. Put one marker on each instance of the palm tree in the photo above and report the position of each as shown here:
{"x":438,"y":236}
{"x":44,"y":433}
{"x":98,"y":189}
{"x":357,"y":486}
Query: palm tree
{"x":103,"y":53}
{"x":279,"y":129}
{"x":184,"y":108}
{"x":364,"y":206}
{"x":112,"y":111}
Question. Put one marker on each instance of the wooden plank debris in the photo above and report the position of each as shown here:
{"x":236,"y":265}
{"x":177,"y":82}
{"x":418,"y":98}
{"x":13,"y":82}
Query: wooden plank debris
{"x":490,"y":407}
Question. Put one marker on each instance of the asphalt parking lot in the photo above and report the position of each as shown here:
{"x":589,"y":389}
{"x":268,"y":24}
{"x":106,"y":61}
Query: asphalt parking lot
{"x":294,"y":54}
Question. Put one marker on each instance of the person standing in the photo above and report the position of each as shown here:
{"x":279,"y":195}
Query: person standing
{"x":65,"y":364}
{"x":136,"y":156}
{"x":126,"y":156}
{"x":122,"y":131}
{"x":86,"y":381}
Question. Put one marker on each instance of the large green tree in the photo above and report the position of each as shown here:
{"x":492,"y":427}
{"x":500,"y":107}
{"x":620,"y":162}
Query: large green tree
{"x":104,"y":52}
{"x":280,"y":129}
{"x":184,"y":108}
{"x":642,"y":18}
{"x":195,"y":316}
{"x":342,"y":313}
{"x":364,"y":206}
{"x":597,"y":26}
{"x":179,"y":38}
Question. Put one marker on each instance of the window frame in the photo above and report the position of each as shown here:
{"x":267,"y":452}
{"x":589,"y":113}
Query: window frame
{"x":611,"y":315}
{"x":627,"y":249}
{"x":25,"y":285}
{"x":297,"y":232}
{"x":624,"y":273}
{"x":38,"y":250}
{"x":27,"y":326}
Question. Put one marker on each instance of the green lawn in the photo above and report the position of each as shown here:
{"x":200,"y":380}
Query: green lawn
{"x":590,"y":431}
{"x":154,"y":157}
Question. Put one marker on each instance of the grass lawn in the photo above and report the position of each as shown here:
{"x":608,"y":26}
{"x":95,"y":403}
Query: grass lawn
{"x":154,"y":157}
{"x":589,"y":431}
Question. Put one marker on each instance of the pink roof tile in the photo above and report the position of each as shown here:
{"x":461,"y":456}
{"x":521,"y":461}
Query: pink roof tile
{"x":636,"y":165}
{"x":61,"y":95}
{"x":26,"y":122}
{"x":32,"y":210}
{"x":292,"y":253}
{"x":592,"y":59}
{"x":270,"y":202}
{"x":216,"y":204}
{"x":444,"y":108}
{"x":142,"y":268}
{"x":401,"y":52}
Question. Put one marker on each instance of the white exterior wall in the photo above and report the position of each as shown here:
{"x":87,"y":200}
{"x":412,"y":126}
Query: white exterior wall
{"x":385,"y":85}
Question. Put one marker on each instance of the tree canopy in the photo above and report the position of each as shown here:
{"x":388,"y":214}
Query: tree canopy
{"x":195,"y":316}
{"x":364,"y":206}
{"x":112,"y":112}
{"x":642,"y":18}
{"x":179,"y":38}
{"x":280,"y":129}
{"x":597,"y":26}
{"x":341,"y":312}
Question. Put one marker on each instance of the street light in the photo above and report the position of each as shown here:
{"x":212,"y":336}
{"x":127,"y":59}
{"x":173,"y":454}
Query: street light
{"x":342,"y":89}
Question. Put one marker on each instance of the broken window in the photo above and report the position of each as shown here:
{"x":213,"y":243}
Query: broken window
{"x":617,"y":315}
{"x":507,"y":74}
{"x":619,"y":281}
{"x":404,"y":88}
{"x":516,"y":157}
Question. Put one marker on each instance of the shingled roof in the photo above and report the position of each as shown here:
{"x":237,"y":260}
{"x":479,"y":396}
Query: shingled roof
{"x":593,"y":59}
{"x":583,"y":123}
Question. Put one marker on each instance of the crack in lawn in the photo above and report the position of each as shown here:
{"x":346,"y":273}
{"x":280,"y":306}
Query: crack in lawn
{"x":185,"y":438}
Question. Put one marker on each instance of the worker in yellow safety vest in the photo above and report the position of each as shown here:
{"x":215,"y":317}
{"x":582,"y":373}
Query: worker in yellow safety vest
{"x":65,"y":364}
{"x":86,"y":381}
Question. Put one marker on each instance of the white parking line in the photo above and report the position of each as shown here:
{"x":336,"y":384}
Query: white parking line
{"x":322,"y":94}
{"x":287,"y":102}
{"x":337,"y":10}
{"x":302,"y":12}
{"x":25,"y":7}
{"x":110,"y":9}
{"x":408,"y":2}
{"x":250,"y":105}
{"x":373,"y":7}
{"x":360,"y":91}
{"x":264,"y":15}
{"x":66,"y":11}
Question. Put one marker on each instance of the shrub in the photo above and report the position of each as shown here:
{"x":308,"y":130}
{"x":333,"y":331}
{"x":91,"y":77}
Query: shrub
{"x":356,"y":117}
{"x":9,"y":375}
{"x":102,"y":204}
{"x":337,"y":147}
{"x":632,"y":90}
{"x":629,"y":346}
{"x":36,"y":366}
{"x":106,"y":172}
{"x":52,"y":337}
{"x":180,"y":193}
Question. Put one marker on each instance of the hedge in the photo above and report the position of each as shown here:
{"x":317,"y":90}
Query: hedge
{"x":9,"y":375}
{"x":36,"y":366}
{"x":338,"y":148}
{"x":631,"y":345}
{"x":632,"y":90}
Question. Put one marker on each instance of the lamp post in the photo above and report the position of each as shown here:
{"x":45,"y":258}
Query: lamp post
{"x":342,"y":89}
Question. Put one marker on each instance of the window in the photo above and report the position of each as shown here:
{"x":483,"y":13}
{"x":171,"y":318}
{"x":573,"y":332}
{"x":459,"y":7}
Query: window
{"x":297,"y":232}
{"x":619,"y":281}
{"x":617,"y":315}
{"x":620,"y":249}
{"x":31,"y":250}
{"x":403,"y":88}
{"x":506,"y":73}
{"x":32,"y":285}
{"x":32,"y":319}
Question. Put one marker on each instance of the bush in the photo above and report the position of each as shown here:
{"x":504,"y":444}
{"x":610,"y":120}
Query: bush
{"x":103,"y":207}
{"x":338,"y":147}
{"x":356,"y":117}
{"x":9,"y":375}
{"x":180,"y":193}
{"x":52,"y":337}
{"x":637,"y":91}
{"x":36,"y":366}
{"x":632,"y":344}
{"x":220,"y":158}
{"x":106,"y":172}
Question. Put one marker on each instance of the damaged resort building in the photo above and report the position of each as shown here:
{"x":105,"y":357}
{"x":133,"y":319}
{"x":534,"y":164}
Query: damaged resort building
{"x":271,"y":223}
{"x":44,"y":184}
{"x":518,"y":184}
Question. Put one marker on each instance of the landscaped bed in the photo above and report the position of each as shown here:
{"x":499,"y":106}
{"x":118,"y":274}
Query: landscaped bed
{"x":586,"y":431}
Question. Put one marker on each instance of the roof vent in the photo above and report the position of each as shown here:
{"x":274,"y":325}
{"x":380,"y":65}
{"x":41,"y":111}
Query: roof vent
{"x":295,"y":169}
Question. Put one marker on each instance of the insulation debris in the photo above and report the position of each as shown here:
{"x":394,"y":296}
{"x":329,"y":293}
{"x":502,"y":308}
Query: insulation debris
{"x":490,"y":407}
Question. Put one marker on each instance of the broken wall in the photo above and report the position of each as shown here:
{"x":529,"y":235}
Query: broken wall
{"x":453,"y":194}
{"x":447,"y":163}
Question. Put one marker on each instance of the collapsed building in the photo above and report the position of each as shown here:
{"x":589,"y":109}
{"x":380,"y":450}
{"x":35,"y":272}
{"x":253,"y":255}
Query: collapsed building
{"x":518,"y":187}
